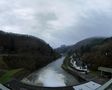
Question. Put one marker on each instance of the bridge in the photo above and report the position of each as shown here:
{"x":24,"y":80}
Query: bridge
{"x":16,"y":85}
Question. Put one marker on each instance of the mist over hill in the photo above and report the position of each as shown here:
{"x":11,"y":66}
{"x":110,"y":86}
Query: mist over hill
{"x":79,"y":44}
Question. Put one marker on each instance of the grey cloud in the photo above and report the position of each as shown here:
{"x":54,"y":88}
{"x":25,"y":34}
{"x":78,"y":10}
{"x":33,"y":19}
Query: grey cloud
{"x":59,"y":21}
{"x":96,"y":24}
{"x":44,"y":19}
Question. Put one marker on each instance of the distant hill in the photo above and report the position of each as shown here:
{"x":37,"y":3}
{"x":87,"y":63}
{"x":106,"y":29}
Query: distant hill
{"x":78,"y":45}
{"x":63,"y":49}
{"x":25,"y":51}
{"x":86,"y":44}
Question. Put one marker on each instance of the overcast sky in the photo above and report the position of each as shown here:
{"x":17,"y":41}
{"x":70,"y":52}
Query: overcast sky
{"x":57,"y":21}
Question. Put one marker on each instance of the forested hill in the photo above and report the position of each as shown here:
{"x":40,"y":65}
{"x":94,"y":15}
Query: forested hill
{"x":94,"y":52}
{"x":78,"y":45}
{"x":24,"y":51}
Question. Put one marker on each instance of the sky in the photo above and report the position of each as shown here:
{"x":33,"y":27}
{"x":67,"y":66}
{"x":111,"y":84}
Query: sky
{"x":57,"y":22}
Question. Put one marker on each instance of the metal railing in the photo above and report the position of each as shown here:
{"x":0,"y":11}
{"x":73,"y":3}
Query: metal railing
{"x":106,"y":85}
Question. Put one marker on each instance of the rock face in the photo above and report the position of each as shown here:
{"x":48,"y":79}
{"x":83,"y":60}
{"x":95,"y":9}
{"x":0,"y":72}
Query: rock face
{"x":25,"y":51}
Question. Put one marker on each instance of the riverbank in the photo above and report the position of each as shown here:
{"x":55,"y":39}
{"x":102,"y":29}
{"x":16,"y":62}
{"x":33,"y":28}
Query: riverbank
{"x":7,"y":75}
{"x":91,"y":76}
{"x":17,"y":85}
{"x":51,"y":75}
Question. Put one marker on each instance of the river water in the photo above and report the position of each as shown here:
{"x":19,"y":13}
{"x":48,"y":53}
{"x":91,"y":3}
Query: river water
{"x":51,"y":75}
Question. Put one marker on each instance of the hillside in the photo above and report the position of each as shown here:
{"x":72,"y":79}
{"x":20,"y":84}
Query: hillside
{"x":24,"y":51}
{"x":94,"y":52}
{"x":78,"y":45}
{"x":99,"y":55}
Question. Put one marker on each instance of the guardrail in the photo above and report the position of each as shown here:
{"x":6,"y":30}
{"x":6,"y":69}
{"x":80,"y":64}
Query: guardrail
{"x":16,"y":85}
{"x":106,"y":85}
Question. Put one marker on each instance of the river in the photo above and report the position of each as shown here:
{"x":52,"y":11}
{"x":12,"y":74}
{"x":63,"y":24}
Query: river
{"x":51,"y":75}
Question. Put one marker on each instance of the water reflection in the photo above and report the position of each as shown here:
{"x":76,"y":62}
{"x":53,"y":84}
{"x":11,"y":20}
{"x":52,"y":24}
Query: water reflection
{"x":51,"y":75}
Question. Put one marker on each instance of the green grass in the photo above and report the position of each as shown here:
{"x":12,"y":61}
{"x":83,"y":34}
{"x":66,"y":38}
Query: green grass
{"x":95,"y":73}
{"x":9,"y":75}
{"x":2,"y":63}
{"x":66,"y":63}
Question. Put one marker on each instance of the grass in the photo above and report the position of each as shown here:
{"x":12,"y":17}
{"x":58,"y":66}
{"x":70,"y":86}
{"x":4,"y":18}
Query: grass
{"x":2,"y":63}
{"x":95,"y":73}
{"x":9,"y":75}
{"x":66,"y":63}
